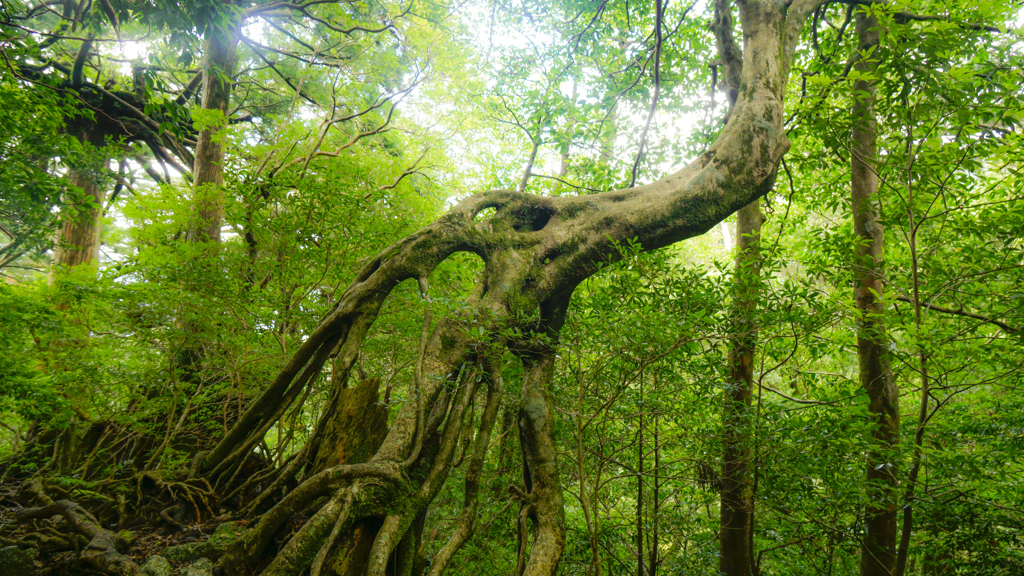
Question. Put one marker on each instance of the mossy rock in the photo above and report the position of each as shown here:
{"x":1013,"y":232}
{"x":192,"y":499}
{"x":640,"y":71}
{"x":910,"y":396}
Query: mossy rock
{"x":189,"y":552}
{"x":156,"y":566}
{"x":124,"y":540}
{"x":223,"y":538}
{"x":17,"y":561}
{"x":201,"y":567}
{"x":227,"y":534}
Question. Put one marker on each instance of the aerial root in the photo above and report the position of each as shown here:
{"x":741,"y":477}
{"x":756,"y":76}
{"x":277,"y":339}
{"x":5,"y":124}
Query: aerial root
{"x":301,"y":549}
{"x":467,"y":520}
{"x":200,"y":497}
{"x":339,"y":524}
{"x":384,"y":544}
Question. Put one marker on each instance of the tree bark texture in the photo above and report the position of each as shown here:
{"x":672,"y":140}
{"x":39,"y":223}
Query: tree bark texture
{"x":219,"y":55}
{"x":78,"y":241}
{"x":543,"y":493}
{"x":640,"y":486}
{"x":736,"y":513}
{"x":878,"y":550}
{"x":356,"y":424}
{"x":535,"y":251}
{"x":79,"y":238}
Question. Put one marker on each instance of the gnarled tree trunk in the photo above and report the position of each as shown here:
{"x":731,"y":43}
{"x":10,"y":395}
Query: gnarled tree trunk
{"x":535,"y":250}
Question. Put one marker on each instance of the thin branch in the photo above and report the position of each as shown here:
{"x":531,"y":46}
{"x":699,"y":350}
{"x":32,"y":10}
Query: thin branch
{"x":408,"y":172}
{"x":273,"y":66}
{"x":658,"y":17}
{"x":961,"y":312}
{"x":189,"y":89}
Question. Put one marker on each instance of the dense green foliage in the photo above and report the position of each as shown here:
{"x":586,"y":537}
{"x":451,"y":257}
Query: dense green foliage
{"x":357,"y":123}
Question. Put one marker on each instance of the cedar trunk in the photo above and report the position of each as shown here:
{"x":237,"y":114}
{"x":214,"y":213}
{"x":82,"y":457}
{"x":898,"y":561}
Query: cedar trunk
{"x":219,"y":55}
{"x":79,"y":239}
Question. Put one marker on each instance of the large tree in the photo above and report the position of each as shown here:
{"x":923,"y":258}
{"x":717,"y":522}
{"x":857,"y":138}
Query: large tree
{"x":535,"y":251}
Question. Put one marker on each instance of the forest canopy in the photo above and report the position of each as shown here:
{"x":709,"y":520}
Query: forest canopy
{"x":375,"y":287}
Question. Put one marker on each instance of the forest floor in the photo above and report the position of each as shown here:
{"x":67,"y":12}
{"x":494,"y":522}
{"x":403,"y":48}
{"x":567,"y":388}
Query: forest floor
{"x":149,"y":543}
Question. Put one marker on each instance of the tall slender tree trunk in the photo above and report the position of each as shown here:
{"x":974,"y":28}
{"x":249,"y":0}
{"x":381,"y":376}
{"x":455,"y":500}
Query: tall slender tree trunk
{"x":535,"y":147}
{"x":736,"y":512}
{"x":654,"y":559}
{"x":563,"y":148}
{"x":219,"y":54}
{"x":878,"y":549}
{"x":610,"y":127}
{"x":640,"y":485}
{"x":923,"y":414}
{"x":587,"y":497}
{"x":610,"y":133}
{"x":737,"y":507}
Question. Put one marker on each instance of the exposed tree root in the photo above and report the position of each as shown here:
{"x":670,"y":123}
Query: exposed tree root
{"x":101,"y":552}
{"x":467,"y":520}
{"x":195,"y":495}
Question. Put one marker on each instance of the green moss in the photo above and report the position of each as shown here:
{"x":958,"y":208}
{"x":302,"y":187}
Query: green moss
{"x":226,"y":534}
{"x":447,"y":341}
{"x":18,"y":561}
{"x":573,"y":209}
{"x":156,"y":566}
{"x":189,"y":552}
{"x":124,"y":540}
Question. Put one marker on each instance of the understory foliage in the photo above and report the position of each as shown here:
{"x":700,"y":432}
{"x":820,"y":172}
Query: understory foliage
{"x":172,"y":385}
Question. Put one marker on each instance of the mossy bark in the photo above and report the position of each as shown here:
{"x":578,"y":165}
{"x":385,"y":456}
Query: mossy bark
{"x":78,"y":242}
{"x":357,"y":423}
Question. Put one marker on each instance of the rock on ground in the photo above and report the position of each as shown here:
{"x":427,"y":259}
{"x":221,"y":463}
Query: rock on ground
{"x":201,"y":567}
{"x":156,"y":566}
{"x":16,"y":560}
